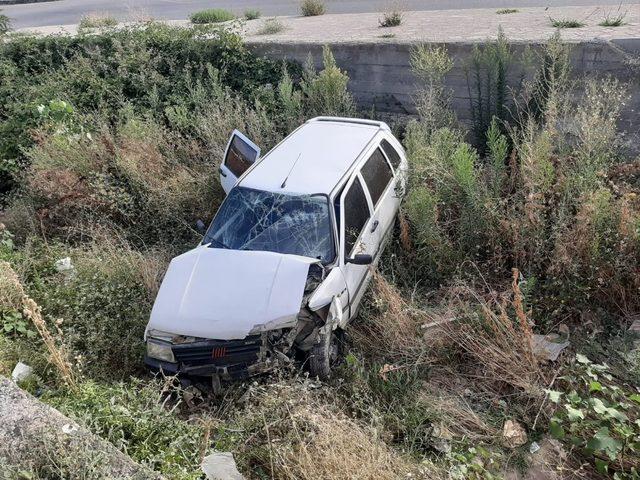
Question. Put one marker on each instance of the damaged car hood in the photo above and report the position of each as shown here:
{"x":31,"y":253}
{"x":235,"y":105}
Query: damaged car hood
{"x":223,"y":294}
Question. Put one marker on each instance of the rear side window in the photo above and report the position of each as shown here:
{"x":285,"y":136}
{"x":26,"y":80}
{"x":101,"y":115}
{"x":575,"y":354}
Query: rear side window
{"x":377,"y":175}
{"x":392,"y":153}
{"x":240,"y":156}
{"x":356,"y":213}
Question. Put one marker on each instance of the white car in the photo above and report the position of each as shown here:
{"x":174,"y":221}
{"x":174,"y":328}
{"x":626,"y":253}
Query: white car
{"x":286,"y":260}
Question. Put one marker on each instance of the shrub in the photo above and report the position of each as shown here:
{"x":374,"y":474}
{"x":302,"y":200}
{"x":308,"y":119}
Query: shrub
{"x":96,"y":20}
{"x":271,"y":27}
{"x":391,"y":18}
{"x":566,"y":23}
{"x":211,"y":15}
{"x":326,"y":92}
{"x":506,"y":11}
{"x":133,"y":417}
{"x":116,"y":74}
{"x":611,"y":20}
{"x":5,"y":24}
{"x":252,"y":14}
{"x":487,"y":75}
{"x":312,"y":8}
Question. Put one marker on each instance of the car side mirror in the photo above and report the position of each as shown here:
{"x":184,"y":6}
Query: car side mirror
{"x":360,"y":259}
{"x":201,"y":227}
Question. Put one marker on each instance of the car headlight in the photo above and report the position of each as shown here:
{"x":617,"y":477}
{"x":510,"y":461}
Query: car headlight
{"x":160,"y":351}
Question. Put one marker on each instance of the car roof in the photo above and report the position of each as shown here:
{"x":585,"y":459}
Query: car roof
{"x":314,"y":158}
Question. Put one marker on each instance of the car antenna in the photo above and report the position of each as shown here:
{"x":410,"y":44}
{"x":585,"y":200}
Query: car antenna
{"x":284,"y":182}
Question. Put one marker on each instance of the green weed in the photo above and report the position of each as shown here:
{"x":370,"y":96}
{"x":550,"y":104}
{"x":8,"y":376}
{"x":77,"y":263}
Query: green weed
{"x":211,"y":15}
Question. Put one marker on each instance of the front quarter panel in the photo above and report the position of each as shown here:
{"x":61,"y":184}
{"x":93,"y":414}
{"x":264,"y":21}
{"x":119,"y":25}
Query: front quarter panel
{"x":333,"y":285}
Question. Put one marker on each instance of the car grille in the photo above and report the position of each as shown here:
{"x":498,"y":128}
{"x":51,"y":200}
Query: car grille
{"x":219,"y":352}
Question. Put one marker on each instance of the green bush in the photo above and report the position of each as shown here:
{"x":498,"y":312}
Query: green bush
{"x":271,"y":27}
{"x":312,"y":8}
{"x":212,"y":15}
{"x":97,"y":21}
{"x":5,"y":24}
{"x":133,"y":417}
{"x":252,"y":14}
{"x":532,"y":199}
{"x":152,"y":72}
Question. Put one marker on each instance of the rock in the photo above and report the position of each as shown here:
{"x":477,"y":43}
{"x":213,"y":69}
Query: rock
{"x":32,"y":433}
{"x":221,"y":466}
{"x":548,"y":347}
{"x":513,"y":434}
{"x":21,"y":372}
{"x":635,"y":324}
{"x":63,"y":265}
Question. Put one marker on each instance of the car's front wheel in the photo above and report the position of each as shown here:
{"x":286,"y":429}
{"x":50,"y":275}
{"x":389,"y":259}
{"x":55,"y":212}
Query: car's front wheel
{"x":324,"y":355}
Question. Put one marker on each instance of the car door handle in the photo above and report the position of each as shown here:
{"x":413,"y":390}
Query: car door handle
{"x":374,"y":226}
{"x":222,"y":172}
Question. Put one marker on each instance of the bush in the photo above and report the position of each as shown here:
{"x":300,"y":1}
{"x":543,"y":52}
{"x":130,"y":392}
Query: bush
{"x":566,"y":23}
{"x":212,"y":15}
{"x":252,"y":14}
{"x":5,"y":24}
{"x":392,"y":18}
{"x":506,"y":11}
{"x":326,"y":92}
{"x":271,"y":27}
{"x":96,"y":20}
{"x":133,"y":417}
{"x":311,"y":8}
{"x":110,"y":77}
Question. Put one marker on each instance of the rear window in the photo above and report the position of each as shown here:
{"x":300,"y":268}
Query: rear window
{"x":391,"y":152}
{"x":377,"y":175}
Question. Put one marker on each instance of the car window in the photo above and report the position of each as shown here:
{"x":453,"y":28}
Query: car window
{"x":240,"y":156}
{"x":275,"y":222}
{"x":377,"y":174}
{"x":392,"y":153}
{"x":356,"y":213}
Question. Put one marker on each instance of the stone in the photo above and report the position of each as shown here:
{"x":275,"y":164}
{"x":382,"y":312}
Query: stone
{"x":31,"y":430}
{"x":21,"y":372}
{"x":513,"y":434}
{"x":221,"y":466}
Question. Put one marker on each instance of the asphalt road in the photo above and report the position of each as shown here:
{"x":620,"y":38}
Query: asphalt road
{"x":67,"y":12}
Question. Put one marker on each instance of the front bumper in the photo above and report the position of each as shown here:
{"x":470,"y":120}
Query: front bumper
{"x":228,"y":359}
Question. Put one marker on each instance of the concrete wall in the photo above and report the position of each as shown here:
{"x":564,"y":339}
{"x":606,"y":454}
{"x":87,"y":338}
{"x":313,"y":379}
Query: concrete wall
{"x":381,"y":76}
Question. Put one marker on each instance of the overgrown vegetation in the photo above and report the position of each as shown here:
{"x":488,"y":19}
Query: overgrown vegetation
{"x":271,"y":27}
{"x":614,"y":20}
{"x":252,"y":14}
{"x":566,"y":23}
{"x":97,"y":20}
{"x":5,"y":23}
{"x":392,"y":17}
{"x":109,"y":157}
{"x":211,"y":15}
{"x":312,"y":8}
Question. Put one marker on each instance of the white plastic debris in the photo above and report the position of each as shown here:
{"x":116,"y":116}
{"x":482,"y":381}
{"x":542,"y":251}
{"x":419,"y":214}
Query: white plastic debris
{"x":21,"y":372}
{"x":221,"y":466}
{"x":63,"y":265}
{"x":69,"y":429}
{"x":548,"y":347}
{"x":534,"y":447}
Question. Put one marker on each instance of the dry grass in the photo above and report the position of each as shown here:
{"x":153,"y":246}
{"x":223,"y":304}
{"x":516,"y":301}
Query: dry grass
{"x":11,"y":288}
{"x":406,"y":334}
{"x":498,"y":336}
{"x":306,"y":436}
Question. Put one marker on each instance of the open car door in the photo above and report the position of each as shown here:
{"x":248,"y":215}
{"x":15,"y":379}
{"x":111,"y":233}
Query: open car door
{"x":241,"y":153}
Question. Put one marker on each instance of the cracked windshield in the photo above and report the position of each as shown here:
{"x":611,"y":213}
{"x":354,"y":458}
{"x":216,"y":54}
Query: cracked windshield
{"x":283,"y":223}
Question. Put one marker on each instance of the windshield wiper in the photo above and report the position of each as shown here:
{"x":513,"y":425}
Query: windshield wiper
{"x":219,"y":243}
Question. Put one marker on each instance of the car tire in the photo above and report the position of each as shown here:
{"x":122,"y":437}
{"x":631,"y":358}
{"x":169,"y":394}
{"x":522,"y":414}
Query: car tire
{"x":324,"y":355}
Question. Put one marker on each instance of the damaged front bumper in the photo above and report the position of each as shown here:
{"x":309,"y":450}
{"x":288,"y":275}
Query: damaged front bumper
{"x":226,"y":359}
